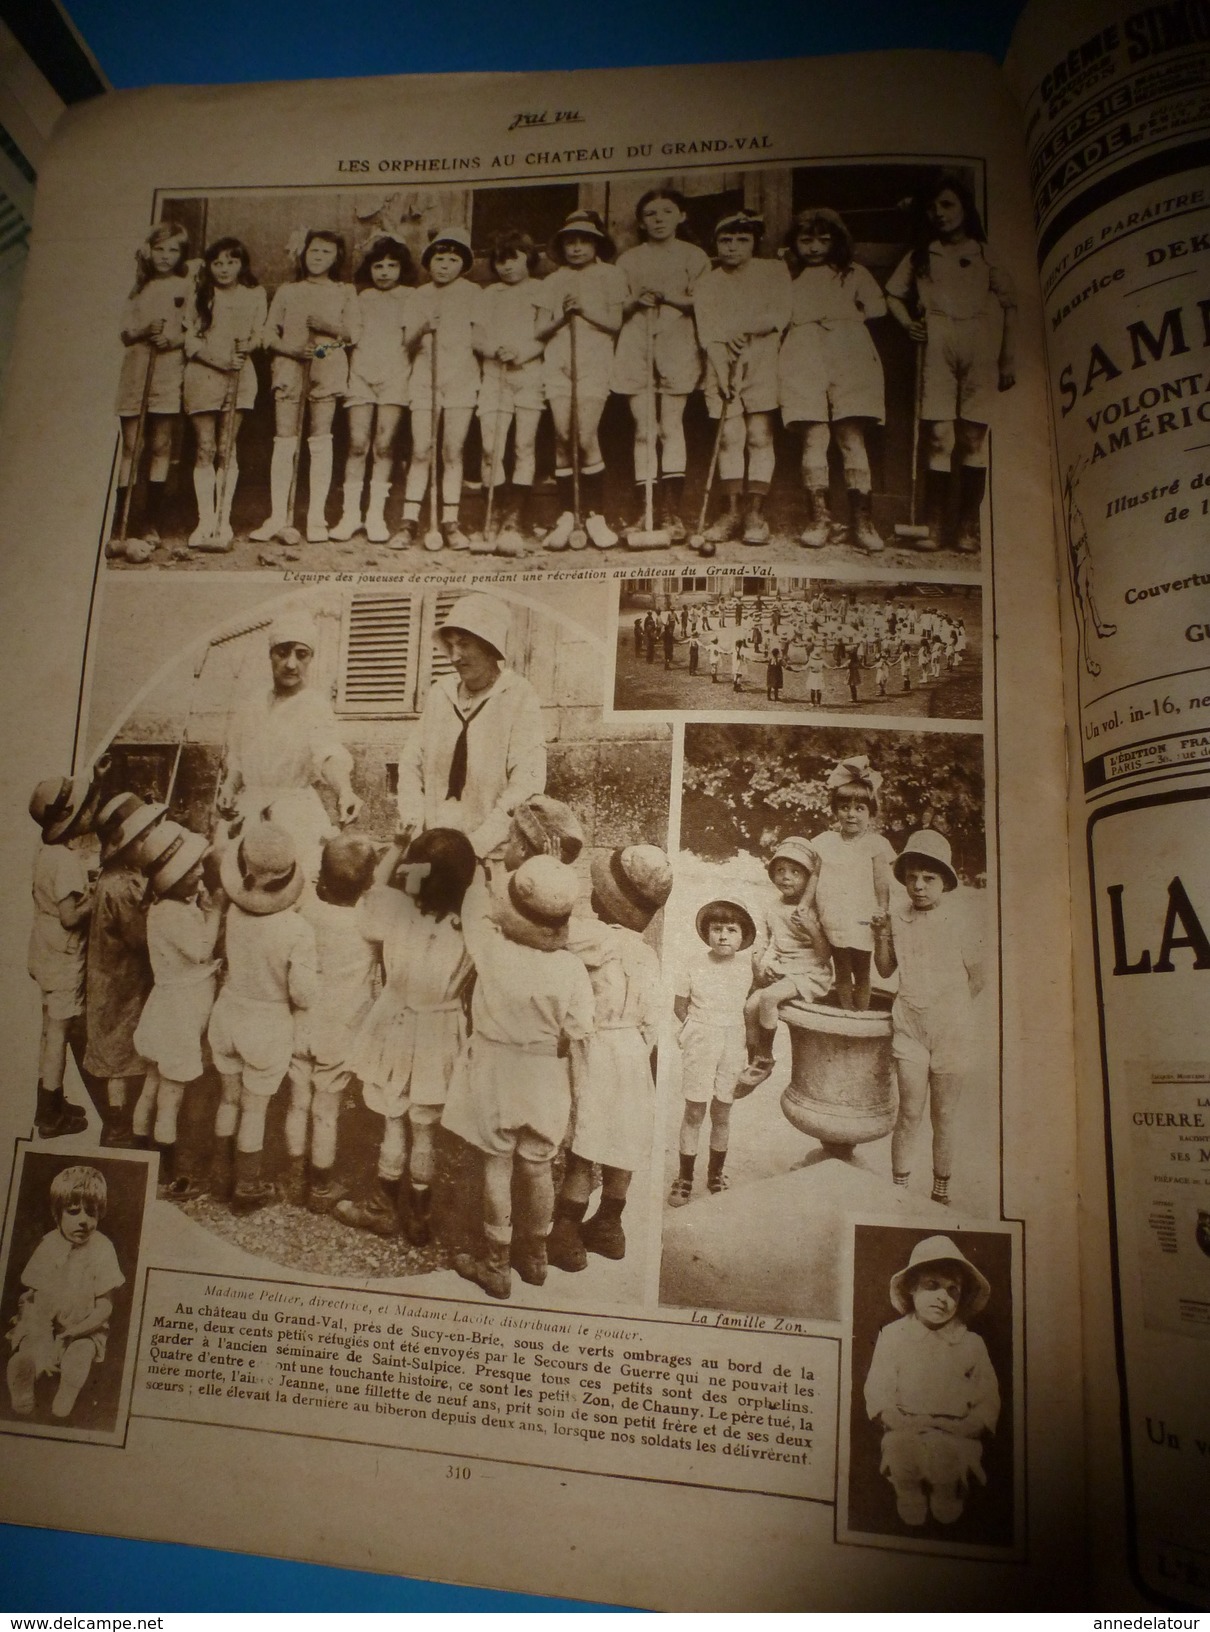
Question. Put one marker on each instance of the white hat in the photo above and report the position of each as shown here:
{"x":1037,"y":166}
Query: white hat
{"x":168,"y":854}
{"x":293,"y":627}
{"x":452,"y":237}
{"x":933,"y":849}
{"x":939,"y":1249}
{"x":631,"y":883}
{"x":483,"y":616}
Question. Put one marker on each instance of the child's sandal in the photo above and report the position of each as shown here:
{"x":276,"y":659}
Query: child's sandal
{"x":680,"y":1193}
{"x":717,"y":1183}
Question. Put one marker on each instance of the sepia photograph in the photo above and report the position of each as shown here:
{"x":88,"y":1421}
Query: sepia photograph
{"x":360,"y":886}
{"x":932,"y":1424}
{"x":754,"y":642}
{"x":804,"y":358}
{"x":69,"y":1281}
{"x":827,"y":941}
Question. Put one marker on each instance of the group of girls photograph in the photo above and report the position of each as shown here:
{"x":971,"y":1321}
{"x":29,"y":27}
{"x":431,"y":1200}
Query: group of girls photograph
{"x":506,"y":372}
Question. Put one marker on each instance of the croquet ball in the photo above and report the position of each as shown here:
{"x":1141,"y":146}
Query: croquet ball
{"x":139,"y":550}
{"x":707,"y":548}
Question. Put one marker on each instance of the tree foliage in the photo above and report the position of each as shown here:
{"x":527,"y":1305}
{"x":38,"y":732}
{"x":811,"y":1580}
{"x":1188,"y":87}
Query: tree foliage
{"x":746,"y":787}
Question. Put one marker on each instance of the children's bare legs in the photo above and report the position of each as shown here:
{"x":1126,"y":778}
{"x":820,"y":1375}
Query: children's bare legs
{"x":74,"y":1367}
{"x":52,"y":1052}
{"x":917,"y":1087}
{"x":383,"y":422}
{"x":760,"y":1028}
{"x":157,"y":449}
{"x":455,"y":422}
{"x":665,"y":463}
{"x":592,"y":465}
{"x":852,"y":968}
{"x":21,"y":1375}
{"x":687,"y":1143}
{"x":55,"y":1115}
{"x":759,"y":439}
{"x":422,"y":1168}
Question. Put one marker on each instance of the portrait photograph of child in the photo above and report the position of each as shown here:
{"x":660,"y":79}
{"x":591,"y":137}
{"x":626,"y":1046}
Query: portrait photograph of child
{"x":931,"y":1420}
{"x":71,"y":1257}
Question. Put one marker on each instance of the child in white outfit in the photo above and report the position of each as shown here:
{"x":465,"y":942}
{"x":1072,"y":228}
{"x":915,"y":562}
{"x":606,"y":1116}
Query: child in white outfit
{"x":852,"y":880}
{"x":829,"y":373}
{"x":511,"y":1094}
{"x":611,"y":1122}
{"x":931,"y":1384}
{"x":182,"y":930}
{"x":271,"y":974}
{"x":709,"y":1004}
{"x":324,"y":1030}
{"x":953,"y":297}
{"x":406,"y":1050}
{"x":940,"y":962}
{"x":62,"y":1322}
{"x":791,"y":962}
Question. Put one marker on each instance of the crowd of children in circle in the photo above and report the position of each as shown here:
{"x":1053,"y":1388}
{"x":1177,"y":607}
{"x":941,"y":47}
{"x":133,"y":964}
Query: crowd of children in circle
{"x":759,"y":333}
{"x":894,"y":644}
{"x":831,"y":914}
{"x":460,"y":976}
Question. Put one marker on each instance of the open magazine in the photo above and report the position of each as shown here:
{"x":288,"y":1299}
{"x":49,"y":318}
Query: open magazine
{"x":609,"y":691}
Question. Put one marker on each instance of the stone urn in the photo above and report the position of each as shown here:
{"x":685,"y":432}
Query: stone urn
{"x":842,"y":1078}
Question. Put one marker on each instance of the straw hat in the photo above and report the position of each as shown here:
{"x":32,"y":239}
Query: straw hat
{"x":932,"y":848}
{"x":741,"y":914}
{"x":796,"y":850}
{"x":631,"y":884}
{"x":260,"y":872}
{"x":586,"y":221}
{"x":124,"y":820}
{"x":939,"y":1249}
{"x":541,"y":819}
{"x":537,"y":903}
{"x":56,"y":803}
{"x":346,"y":867}
{"x":453,"y":237}
{"x":293,"y":626}
{"x":483,"y":616}
{"x":169,"y":851}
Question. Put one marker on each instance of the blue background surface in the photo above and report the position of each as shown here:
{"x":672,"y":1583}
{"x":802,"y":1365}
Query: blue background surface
{"x":147,"y":42}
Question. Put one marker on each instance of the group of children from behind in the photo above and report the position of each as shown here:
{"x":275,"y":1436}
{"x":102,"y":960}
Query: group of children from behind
{"x":760,"y":335}
{"x":832,"y":916}
{"x":463,"y":996}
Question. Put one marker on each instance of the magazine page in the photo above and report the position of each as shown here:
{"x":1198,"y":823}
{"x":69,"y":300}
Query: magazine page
{"x":534,"y":670}
{"x":1117,"y":117}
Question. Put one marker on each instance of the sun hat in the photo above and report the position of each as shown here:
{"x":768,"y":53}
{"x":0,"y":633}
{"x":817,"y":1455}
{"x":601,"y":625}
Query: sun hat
{"x":56,"y":803}
{"x":541,"y":819}
{"x":939,"y":1249}
{"x":932,"y":847}
{"x":798,"y":851}
{"x":741,"y":914}
{"x":535,"y":905}
{"x":169,"y":851}
{"x":456,"y":237}
{"x":293,"y":627}
{"x":483,"y":616}
{"x":346,"y":866}
{"x":747,"y":221}
{"x":587,"y":222}
{"x":125,"y":823}
{"x":632,"y":883}
{"x":260,"y":871}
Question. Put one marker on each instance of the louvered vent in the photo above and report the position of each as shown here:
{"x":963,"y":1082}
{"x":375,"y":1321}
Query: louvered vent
{"x":377,"y":671}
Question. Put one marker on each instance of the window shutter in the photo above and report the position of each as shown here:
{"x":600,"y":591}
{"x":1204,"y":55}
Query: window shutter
{"x":378,"y":658}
